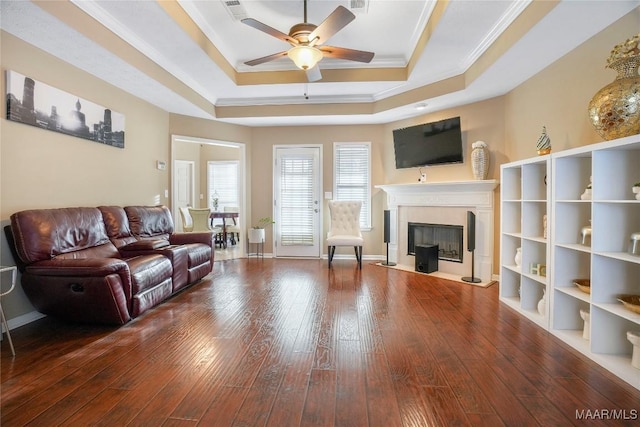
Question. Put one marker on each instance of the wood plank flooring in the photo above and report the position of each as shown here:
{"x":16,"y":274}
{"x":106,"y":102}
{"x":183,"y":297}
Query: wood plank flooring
{"x":292,"y":343}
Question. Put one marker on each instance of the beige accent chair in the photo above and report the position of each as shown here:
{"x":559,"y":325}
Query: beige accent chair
{"x":345,"y":228}
{"x":187,"y":222}
{"x":201,"y":221}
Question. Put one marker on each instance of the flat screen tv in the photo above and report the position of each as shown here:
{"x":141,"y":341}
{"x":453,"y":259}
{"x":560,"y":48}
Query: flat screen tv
{"x":428,"y":144}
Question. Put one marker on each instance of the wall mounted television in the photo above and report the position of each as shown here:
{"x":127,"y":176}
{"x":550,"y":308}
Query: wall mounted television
{"x":428,"y":144}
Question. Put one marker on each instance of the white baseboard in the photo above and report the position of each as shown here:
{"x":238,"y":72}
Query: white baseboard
{"x":25,"y":319}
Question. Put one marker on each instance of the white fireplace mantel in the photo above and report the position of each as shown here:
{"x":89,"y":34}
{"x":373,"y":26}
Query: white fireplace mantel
{"x":477,"y":196}
{"x":447,"y":193}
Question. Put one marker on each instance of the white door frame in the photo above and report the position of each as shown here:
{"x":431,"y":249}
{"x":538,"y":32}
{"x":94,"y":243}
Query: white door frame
{"x":242,"y":168}
{"x":192,"y":197}
{"x":319,"y":195}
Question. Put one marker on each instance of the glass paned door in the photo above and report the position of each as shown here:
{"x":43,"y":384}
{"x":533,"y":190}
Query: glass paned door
{"x":297,"y":201}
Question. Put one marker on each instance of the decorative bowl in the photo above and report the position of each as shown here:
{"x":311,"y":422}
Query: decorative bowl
{"x":632,"y":302}
{"x":583,"y":284}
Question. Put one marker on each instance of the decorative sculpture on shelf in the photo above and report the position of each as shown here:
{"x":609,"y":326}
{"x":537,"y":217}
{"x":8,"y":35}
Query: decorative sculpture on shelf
{"x":544,"y":143}
{"x":615,"y":109}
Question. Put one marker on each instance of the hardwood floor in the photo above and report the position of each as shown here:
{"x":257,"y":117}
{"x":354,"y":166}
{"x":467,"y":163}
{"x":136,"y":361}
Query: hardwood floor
{"x":291,"y":343}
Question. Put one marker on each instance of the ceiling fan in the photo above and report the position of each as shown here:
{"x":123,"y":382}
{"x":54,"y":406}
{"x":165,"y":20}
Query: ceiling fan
{"x":307,"y":41}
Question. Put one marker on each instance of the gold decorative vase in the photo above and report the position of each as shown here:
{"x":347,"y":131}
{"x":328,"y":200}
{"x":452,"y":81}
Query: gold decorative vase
{"x":615,"y":109}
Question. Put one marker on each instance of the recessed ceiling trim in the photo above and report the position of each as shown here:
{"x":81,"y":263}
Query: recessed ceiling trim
{"x":94,"y":10}
{"x":92,"y":29}
{"x":323,"y":106}
{"x":328,"y":76}
{"x":510,"y":15}
{"x":207,"y":29}
{"x":315,"y":99}
{"x":521,"y":25}
{"x":436,"y":13}
{"x":184,"y":20}
{"x":294,"y":110}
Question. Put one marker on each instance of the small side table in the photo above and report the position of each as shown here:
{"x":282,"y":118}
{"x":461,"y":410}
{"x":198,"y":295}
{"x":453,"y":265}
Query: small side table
{"x":13,"y":271}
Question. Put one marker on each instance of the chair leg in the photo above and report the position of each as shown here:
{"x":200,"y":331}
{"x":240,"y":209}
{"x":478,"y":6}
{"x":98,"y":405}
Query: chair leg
{"x":358,"y":250}
{"x":330,"y":252}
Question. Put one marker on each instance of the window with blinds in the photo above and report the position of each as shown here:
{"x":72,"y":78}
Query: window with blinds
{"x":352,"y":176}
{"x":296,"y":201}
{"x":222,"y":183}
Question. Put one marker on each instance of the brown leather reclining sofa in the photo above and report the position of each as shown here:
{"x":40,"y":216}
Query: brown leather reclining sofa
{"x":107,"y":264}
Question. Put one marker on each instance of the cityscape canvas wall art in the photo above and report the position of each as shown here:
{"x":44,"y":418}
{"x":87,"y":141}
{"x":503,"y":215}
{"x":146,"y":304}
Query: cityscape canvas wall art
{"x":38,"y":104}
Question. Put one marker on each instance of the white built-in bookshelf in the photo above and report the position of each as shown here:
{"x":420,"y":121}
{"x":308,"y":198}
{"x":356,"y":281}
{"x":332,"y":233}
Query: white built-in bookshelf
{"x":570,"y":252}
{"x":525,"y":195}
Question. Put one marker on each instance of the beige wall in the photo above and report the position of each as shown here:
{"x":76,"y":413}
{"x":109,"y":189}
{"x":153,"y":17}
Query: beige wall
{"x":558,"y":96}
{"x":264,"y":140}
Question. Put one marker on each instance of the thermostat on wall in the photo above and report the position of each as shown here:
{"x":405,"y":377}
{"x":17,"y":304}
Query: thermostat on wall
{"x":161,"y":165}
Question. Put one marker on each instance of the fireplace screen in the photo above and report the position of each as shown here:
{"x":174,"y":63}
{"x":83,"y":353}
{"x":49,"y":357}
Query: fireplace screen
{"x":447,"y":237}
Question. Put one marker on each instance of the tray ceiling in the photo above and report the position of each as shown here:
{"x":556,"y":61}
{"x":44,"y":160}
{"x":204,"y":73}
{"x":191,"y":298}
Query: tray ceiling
{"x":187,"y":57}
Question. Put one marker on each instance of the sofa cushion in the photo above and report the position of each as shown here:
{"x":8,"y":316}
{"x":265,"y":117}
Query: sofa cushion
{"x":42,"y":234}
{"x":150,"y":221}
{"x":117,"y":225}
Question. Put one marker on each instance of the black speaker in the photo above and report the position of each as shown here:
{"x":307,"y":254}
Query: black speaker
{"x":387,"y":226}
{"x":471,"y":246}
{"x":426,"y":258}
{"x":387,"y":235}
{"x":471,"y":231}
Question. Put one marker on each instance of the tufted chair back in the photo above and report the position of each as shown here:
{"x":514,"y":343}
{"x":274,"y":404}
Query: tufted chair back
{"x":345,"y":227}
{"x":345,"y":218}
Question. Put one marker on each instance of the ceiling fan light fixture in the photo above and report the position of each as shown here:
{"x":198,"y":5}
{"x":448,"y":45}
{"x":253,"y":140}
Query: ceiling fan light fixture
{"x":305,"y":57}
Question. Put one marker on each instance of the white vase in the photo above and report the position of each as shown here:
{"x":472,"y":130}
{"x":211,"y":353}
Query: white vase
{"x":518,"y":257}
{"x":256,"y":235}
{"x":480,"y":163}
{"x":542,"y":304}
{"x":636,"y":191}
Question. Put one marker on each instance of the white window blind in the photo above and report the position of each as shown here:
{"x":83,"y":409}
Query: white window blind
{"x":222,"y":182}
{"x":352,"y":176}
{"x":296,"y":201}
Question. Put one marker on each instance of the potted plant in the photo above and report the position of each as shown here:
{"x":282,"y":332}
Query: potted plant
{"x":214,"y":201}
{"x":636,"y":190}
{"x":257,"y":233}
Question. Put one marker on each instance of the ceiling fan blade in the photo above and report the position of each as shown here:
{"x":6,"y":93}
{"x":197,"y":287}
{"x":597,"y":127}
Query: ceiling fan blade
{"x":344,"y":53}
{"x":313,"y":74}
{"x":264,"y":59}
{"x":269,"y":30}
{"x":338,"y":19}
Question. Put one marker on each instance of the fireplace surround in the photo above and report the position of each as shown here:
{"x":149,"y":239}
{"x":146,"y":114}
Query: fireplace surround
{"x":449,"y":239}
{"x":443,"y":203}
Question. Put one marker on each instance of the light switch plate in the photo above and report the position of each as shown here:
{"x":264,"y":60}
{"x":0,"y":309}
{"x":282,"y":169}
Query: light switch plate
{"x":328,"y":195}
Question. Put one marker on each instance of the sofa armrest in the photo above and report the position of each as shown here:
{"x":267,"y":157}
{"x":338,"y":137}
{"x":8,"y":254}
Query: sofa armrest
{"x":204,"y":237}
{"x":92,"y":267}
